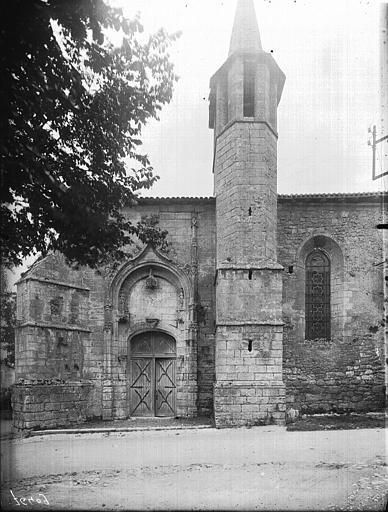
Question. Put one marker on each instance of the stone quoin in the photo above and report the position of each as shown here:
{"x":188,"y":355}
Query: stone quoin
{"x":261,"y":303}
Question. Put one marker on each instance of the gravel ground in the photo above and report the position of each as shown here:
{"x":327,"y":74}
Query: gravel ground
{"x":262,"y":468}
{"x":269,"y":486}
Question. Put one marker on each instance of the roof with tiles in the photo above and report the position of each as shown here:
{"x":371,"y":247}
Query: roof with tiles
{"x":327,"y":196}
{"x":335,"y":195}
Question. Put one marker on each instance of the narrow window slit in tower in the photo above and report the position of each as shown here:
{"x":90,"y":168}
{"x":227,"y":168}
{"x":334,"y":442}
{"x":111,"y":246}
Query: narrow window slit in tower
{"x":249,"y":345}
{"x":291,"y":269}
{"x":249,"y":89}
{"x":249,"y":211}
{"x":250,"y":274}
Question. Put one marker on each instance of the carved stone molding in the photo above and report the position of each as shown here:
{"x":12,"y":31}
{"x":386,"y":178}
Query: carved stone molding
{"x":152,"y":322}
{"x":124,"y":319}
{"x":108,"y":326}
{"x":151,"y":282}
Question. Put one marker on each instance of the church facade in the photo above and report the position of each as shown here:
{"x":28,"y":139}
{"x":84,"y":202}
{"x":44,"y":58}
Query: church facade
{"x":261,"y":302}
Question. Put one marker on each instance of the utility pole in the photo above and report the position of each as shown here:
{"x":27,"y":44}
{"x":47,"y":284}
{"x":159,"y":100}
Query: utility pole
{"x":383,"y":29}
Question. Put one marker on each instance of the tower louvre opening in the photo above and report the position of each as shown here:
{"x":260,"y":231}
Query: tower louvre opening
{"x":249,"y":89}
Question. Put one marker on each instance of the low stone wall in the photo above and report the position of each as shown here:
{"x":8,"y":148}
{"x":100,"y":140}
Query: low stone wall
{"x":240,"y":404}
{"x":334,"y":375}
{"x":43,"y":406}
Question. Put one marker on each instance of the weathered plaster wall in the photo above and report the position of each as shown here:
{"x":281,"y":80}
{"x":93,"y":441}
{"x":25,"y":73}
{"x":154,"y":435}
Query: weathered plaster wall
{"x":345,"y":372}
{"x":161,"y":303}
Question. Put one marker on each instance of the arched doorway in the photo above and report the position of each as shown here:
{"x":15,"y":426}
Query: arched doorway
{"x":152,"y":374}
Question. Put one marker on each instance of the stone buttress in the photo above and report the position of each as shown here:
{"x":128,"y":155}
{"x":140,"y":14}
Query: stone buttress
{"x":244,"y":96}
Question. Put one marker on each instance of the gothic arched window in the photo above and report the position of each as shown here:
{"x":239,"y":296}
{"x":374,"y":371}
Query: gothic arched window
{"x":317,"y":295}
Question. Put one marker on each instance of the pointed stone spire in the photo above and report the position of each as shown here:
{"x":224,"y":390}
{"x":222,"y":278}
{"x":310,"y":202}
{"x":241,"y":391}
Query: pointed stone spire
{"x":245,"y":33}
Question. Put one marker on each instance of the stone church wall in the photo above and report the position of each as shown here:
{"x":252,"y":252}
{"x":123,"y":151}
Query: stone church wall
{"x":59,"y":352}
{"x":61,"y":335}
{"x":345,"y":372}
{"x":62,"y":341}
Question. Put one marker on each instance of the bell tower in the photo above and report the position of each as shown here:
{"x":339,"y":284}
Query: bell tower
{"x":244,"y":95}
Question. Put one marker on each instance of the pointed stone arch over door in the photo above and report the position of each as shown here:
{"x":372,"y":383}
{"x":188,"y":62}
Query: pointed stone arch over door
{"x":150,"y":293}
{"x":152,"y":384}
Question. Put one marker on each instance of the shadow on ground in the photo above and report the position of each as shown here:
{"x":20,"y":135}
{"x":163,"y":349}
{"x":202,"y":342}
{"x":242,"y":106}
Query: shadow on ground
{"x":337,"y":422}
{"x":146,"y":422}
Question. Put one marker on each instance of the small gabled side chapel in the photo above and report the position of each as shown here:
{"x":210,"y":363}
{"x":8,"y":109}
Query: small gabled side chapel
{"x":260,"y":304}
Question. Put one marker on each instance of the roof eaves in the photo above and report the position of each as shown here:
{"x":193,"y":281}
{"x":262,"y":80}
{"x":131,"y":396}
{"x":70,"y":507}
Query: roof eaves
{"x":339,"y":196}
{"x":334,"y":195}
{"x":176,"y":199}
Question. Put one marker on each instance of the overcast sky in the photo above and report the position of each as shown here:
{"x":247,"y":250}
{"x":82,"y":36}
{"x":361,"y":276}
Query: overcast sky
{"x":329,"y":53}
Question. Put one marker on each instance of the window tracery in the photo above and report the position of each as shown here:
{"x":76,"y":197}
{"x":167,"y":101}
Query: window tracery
{"x":317,"y":295}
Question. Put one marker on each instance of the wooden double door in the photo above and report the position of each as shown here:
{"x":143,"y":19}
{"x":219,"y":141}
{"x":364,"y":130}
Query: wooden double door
{"x":152,"y":375}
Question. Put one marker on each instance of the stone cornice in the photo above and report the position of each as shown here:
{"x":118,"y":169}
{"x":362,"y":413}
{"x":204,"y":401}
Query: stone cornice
{"x":47,"y":325}
{"x":247,"y":120}
{"x":266,"y":266}
{"x":235,"y":323}
{"x":53,"y":281}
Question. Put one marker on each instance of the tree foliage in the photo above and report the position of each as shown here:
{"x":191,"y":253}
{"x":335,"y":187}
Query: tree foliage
{"x":72,"y":109}
{"x":149,"y":232}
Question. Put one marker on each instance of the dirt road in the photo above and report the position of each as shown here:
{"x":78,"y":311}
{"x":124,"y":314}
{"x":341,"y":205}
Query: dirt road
{"x":246,"y":469}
